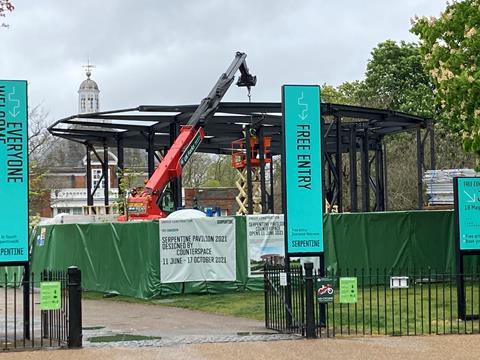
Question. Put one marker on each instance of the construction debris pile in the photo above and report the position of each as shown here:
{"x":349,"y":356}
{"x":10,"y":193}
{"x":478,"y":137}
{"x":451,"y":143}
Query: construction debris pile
{"x":440,"y":184}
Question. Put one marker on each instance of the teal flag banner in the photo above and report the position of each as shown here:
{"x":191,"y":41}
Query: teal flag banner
{"x":468,"y":205}
{"x":302,"y":169}
{"x":13,"y":171}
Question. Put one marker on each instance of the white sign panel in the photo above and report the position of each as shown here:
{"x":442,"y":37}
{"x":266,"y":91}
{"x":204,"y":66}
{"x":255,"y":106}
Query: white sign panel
{"x":197,"y":250}
{"x":266,"y":242}
{"x":399,"y":282}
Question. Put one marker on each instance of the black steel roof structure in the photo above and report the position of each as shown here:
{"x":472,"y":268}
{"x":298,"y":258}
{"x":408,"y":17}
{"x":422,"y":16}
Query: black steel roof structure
{"x":136,"y":126}
{"x":346,"y":130}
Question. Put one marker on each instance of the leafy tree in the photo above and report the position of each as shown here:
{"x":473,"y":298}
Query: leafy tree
{"x":39,"y":141}
{"x":194,"y":173}
{"x":450,"y":45}
{"x":395,"y":80}
{"x":5,"y":6}
{"x":347,"y":93}
{"x":221,"y":173}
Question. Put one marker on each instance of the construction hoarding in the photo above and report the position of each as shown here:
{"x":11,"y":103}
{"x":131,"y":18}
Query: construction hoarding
{"x":125,"y":257}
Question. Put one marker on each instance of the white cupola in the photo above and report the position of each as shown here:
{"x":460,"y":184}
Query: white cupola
{"x":88,"y":94}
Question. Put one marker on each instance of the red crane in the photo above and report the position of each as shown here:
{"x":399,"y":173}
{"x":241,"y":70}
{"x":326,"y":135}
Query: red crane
{"x":155,"y":202}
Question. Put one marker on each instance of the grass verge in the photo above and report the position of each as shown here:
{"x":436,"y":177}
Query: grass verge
{"x":245,"y":304}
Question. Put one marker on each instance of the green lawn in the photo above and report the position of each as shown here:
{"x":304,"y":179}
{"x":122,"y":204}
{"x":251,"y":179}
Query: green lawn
{"x":379,"y":310}
{"x":245,"y":304}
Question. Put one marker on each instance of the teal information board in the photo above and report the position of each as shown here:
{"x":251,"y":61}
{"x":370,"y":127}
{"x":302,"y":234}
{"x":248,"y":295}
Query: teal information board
{"x":13,"y":172}
{"x":468,"y":205}
{"x":302,"y":161}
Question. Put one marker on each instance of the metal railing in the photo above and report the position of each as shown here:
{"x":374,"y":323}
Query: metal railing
{"x":425,"y":303}
{"x":23,"y":322}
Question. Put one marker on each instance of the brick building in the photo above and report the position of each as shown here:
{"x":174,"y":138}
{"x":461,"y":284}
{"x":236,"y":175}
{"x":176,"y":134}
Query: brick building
{"x":203,"y":198}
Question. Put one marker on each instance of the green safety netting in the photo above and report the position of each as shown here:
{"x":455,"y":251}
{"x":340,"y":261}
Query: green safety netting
{"x":125,"y":257}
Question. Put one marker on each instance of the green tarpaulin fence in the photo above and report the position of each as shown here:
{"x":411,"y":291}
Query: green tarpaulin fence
{"x":125,"y":257}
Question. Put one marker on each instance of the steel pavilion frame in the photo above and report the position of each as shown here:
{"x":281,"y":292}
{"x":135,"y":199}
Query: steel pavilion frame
{"x":348,"y":130}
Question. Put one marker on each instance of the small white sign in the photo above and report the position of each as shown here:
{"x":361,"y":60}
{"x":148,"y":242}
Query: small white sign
{"x":283,"y":279}
{"x":399,"y":282}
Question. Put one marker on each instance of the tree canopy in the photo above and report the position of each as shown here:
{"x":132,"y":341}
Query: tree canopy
{"x":450,"y":48}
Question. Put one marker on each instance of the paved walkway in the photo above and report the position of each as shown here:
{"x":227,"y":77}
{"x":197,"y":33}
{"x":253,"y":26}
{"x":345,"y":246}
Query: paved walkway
{"x":172,"y":325}
{"x":464,"y":347}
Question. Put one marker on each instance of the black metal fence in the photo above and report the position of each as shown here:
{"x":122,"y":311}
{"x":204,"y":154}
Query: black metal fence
{"x":421,"y":302}
{"x":23,"y":323}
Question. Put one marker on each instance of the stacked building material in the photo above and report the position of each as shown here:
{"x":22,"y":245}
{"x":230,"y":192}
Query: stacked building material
{"x":440,"y":184}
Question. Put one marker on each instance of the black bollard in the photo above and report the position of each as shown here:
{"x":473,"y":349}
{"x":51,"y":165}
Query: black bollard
{"x":74,"y":307}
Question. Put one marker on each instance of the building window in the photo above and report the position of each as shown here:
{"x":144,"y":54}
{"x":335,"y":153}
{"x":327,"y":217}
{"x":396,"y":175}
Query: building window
{"x":77,"y":211}
{"x":96,"y":175}
{"x":82,"y":104}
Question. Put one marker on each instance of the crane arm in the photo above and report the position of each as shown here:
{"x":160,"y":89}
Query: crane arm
{"x":192,"y":134}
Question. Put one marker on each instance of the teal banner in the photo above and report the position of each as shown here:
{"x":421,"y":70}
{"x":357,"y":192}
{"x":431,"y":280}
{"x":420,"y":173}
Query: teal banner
{"x":468,"y":205}
{"x":302,"y":172}
{"x":13,"y":172}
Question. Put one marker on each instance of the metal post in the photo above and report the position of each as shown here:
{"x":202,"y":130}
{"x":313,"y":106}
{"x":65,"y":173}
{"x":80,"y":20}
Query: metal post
{"x":261,"y":153}
{"x":380,"y":203}
{"x":309,"y":301}
{"x":176,"y":183}
{"x":74,"y":307}
{"x":249,"y":169}
{"x":271,"y":202}
{"x":323,"y":134}
{"x":89,"y":177}
{"x":419,"y":169}
{"x":151,"y":153}
{"x":105,"y":171}
{"x":385,"y":177}
{"x":353,"y":169}
{"x":321,"y":273}
{"x":26,"y":302}
{"x":120,"y":164}
{"x":365,"y":172}
{"x":431,"y":129}
{"x":338,"y":164}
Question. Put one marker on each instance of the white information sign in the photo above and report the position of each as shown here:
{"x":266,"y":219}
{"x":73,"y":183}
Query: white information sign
{"x":200,"y":249}
{"x":266,"y":243}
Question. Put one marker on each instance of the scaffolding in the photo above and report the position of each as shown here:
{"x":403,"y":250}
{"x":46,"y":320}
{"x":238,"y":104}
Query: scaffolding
{"x":250,"y":161}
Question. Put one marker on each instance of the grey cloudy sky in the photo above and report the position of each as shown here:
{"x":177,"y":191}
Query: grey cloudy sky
{"x":171,"y":52}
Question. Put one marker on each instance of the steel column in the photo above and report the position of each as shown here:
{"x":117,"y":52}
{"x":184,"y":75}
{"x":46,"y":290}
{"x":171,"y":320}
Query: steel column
{"x":338,"y":164}
{"x":151,"y":154}
{"x":385,"y":177}
{"x":420,"y":156}
{"x":379,"y":193}
{"x":249,"y":170}
{"x":89,"y":176}
{"x":176,"y":184}
{"x":431,"y":129}
{"x":353,"y":169}
{"x":271,"y":202}
{"x":365,"y":172}
{"x":261,"y":153}
{"x":120,"y":164}
{"x":106,"y":177}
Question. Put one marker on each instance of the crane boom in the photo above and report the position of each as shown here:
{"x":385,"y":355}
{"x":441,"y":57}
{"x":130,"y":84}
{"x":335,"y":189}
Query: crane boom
{"x":146,"y":206}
